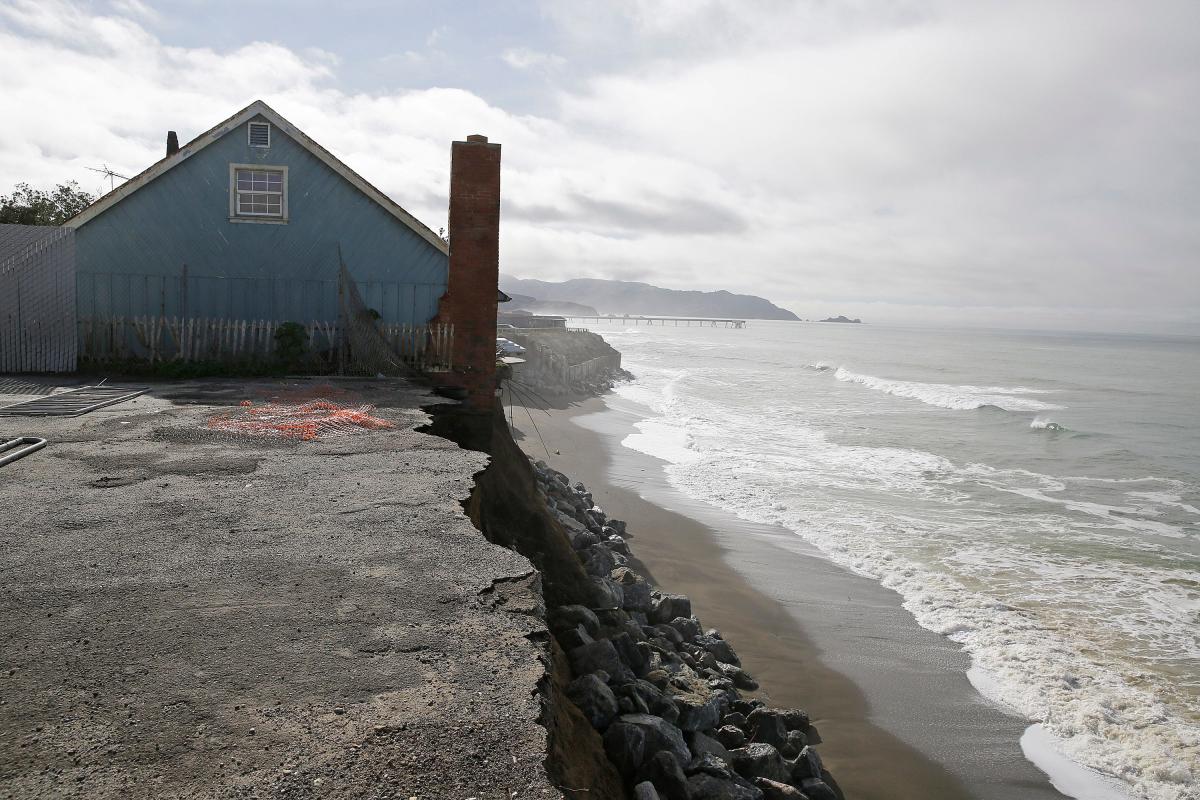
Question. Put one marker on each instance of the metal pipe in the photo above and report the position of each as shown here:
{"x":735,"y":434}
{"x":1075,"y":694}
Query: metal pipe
{"x":31,"y":443}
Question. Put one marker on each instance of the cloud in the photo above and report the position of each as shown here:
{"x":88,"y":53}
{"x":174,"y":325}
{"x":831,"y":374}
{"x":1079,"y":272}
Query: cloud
{"x":524,"y":58}
{"x":136,"y":9}
{"x":908,"y":160}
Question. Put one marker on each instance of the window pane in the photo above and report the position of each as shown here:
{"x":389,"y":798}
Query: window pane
{"x":259,"y":192}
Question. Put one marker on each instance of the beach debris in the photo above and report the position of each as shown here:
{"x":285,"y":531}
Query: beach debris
{"x":302,"y":421}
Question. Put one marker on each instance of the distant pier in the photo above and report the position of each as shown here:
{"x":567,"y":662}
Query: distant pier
{"x":687,"y":322}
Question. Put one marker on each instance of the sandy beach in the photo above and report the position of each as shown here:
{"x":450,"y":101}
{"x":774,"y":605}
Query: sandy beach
{"x":898,"y":718}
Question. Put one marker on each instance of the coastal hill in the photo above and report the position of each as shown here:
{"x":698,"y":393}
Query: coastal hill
{"x":629,"y":297}
{"x":564,"y":308}
{"x":842,"y":318}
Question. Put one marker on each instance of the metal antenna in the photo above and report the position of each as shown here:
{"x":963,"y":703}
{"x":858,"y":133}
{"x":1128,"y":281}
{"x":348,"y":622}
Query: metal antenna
{"x":108,"y":173}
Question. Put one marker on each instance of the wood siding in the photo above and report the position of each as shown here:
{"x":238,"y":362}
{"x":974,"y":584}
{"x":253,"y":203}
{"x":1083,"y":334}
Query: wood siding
{"x":131,"y":258}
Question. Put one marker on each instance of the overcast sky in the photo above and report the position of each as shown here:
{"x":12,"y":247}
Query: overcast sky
{"x":1025,"y":164}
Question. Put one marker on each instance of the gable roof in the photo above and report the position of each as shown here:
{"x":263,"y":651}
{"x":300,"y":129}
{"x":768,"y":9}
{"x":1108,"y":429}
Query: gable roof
{"x":257,"y":108}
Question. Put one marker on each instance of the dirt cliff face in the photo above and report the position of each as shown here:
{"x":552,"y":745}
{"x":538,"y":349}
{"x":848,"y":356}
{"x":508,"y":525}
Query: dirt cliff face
{"x":561,"y":361}
{"x":506,"y":507}
{"x":639,"y":668}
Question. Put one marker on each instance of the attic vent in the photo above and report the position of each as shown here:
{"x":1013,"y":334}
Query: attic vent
{"x":260,"y":134}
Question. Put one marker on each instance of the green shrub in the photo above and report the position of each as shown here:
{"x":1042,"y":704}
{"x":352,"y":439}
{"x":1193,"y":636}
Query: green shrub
{"x":291,"y":344}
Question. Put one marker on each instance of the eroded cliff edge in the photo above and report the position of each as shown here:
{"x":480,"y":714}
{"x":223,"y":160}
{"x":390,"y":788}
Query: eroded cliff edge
{"x":639,"y":700}
{"x":189,"y":614}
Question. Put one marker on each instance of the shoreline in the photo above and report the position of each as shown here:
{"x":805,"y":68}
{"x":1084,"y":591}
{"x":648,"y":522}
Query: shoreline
{"x":879,"y":703}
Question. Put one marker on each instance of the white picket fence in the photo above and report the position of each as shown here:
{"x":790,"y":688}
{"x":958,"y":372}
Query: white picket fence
{"x":427,"y":348}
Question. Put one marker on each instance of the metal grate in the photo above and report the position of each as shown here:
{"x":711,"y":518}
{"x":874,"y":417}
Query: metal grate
{"x":17,"y":386}
{"x":73,"y":403}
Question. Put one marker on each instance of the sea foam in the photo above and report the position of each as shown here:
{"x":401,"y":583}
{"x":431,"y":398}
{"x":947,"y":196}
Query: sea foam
{"x":950,"y":396}
{"x":1033,"y":621}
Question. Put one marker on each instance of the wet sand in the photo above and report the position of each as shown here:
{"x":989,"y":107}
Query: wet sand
{"x":898,"y":718}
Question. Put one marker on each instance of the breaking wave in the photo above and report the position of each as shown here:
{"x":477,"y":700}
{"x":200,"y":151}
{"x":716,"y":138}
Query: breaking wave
{"x":944,"y":395}
{"x":1056,"y":633}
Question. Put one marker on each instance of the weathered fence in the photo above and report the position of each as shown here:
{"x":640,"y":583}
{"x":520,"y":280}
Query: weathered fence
{"x":592,"y":369}
{"x":427,"y":348}
{"x":548,"y":358}
{"x":37,"y":299}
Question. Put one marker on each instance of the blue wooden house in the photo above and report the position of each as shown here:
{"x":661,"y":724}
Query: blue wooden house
{"x":247,"y":222}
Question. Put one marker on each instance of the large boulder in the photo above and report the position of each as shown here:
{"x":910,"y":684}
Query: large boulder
{"x":741,"y":679}
{"x":659,"y":704}
{"x":796,"y":742}
{"x":795,"y":719}
{"x":667,"y":632}
{"x":617,"y":544}
{"x":612,"y":621}
{"x":760,"y":761}
{"x":715,"y":644}
{"x":663,"y":770}
{"x":583,"y":539}
{"x":565,"y":617}
{"x":731,"y":736}
{"x":773,"y":790}
{"x":815,"y":789}
{"x":598,"y":560}
{"x":667,"y":607}
{"x":625,"y":744}
{"x":766,"y":726}
{"x":698,"y":712}
{"x":712,"y":765}
{"x":630,"y":654}
{"x":688,"y":627}
{"x":733,"y":717}
{"x":659,"y":677}
{"x":746,"y":705}
{"x":595,"y":700}
{"x":703,"y":786}
{"x":597,"y":655}
{"x":571,"y":638}
{"x":635,"y":590}
{"x":659,"y":735}
{"x":580,"y":537}
{"x":606,"y":592}
{"x":701,"y":744}
{"x":645,"y":791}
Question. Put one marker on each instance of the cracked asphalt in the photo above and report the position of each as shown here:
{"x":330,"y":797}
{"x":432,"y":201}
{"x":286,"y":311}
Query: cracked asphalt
{"x":191,"y":614}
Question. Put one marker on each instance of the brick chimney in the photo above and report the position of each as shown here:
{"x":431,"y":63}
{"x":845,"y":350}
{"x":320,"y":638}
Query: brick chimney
{"x":471,"y":291}
{"x":172,"y":143}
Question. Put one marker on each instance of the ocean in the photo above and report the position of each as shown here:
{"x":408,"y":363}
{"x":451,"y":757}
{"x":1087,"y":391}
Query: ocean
{"x":1032,"y":496}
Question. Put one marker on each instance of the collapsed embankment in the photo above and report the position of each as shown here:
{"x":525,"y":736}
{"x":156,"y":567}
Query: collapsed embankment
{"x":559,"y":361}
{"x":639,"y":699}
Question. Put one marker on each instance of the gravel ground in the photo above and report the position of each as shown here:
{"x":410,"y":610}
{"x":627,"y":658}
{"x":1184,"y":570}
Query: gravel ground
{"x":190,"y":614}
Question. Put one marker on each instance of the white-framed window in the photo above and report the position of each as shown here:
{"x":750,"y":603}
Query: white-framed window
{"x":258,"y":193}
{"x":258,"y":134}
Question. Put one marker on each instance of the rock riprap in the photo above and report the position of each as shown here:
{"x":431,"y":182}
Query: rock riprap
{"x":664,"y":693}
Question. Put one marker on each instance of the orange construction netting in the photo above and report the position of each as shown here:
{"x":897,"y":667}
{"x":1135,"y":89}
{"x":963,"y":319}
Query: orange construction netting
{"x":303,"y":421}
